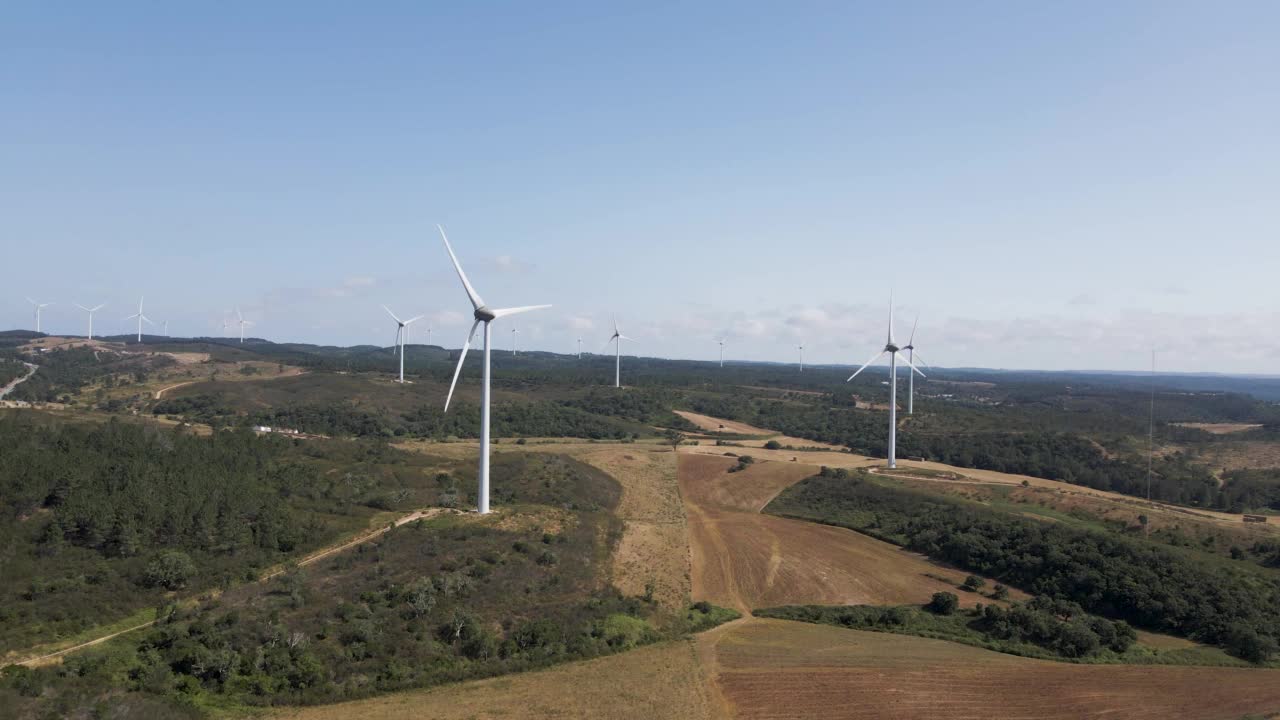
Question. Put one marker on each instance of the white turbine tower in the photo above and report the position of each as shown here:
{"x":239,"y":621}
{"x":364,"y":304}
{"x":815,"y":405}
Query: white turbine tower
{"x":911,"y":360}
{"x":166,"y":328}
{"x":39,"y":307}
{"x":579,"y":348}
{"x":894,"y":352}
{"x":617,"y":359}
{"x":482,"y":314}
{"x":800,"y":347}
{"x":721,"y":341}
{"x":225,"y":324}
{"x":515,"y":336}
{"x":140,"y":317}
{"x":91,"y":311}
{"x":242,"y":322}
{"x":402,"y":335}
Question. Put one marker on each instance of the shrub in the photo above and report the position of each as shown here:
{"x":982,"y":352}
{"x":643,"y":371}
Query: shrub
{"x":943,"y":603}
{"x":973,"y":583}
{"x":773,"y":445}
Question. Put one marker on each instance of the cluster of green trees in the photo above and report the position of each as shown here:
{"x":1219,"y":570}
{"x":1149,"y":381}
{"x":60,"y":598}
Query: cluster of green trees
{"x":1042,"y":627}
{"x":65,"y":372}
{"x":1119,"y":577}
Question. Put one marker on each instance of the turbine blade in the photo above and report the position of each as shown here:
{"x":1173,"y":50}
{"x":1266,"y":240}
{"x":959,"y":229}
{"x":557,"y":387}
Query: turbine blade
{"x":33,"y":302}
{"x":607,"y":342}
{"x":462,"y":357}
{"x":911,"y":340}
{"x":504,"y":312}
{"x":83,"y":308}
{"x":476,"y":301}
{"x":238,"y":315}
{"x":149,"y":322}
{"x":874,"y":358}
{"x":414,"y":319}
{"x":393,"y":315}
{"x":915,"y":369}
{"x":915,"y":357}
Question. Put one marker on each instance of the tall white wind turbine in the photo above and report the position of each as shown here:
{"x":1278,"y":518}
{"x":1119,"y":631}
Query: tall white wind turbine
{"x":617,"y":337}
{"x":39,"y":307}
{"x":402,"y":335}
{"x":894,"y":352}
{"x":140,"y":317}
{"x":166,"y":328}
{"x":483,"y":314}
{"x":911,"y":360}
{"x":721,"y":341}
{"x":91,"y":311}
{"x":800,"y":347}
{"x":515,"y":339}
{"x":242,"y":322}
{"x":579,"y":348}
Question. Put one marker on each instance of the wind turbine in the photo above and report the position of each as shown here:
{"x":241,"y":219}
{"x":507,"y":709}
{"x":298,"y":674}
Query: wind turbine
{"x":91,"y":311}
{"x":166,"y":328}
{"x":721,"y":341}
{"x":140,"y":318}
{"x":224,"y":324}
{"x":911,"y":359}
{"x":894,"y":352}
{"x":617,"y":361}
{"x":482,"y":314}
{"x":242,"y":323}
{"x":800,"y":347}
{"x":402,"y":335}
{"x":579,"y":348}
{"x":515,"y":335}
{"x":39,"y":307}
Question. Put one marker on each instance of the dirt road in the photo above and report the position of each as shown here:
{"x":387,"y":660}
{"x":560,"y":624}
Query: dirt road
{"x":50,"y":657}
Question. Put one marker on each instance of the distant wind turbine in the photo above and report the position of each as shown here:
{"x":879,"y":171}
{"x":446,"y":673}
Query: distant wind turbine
{"x":140,"y":317}
{"x":242,"y":322}
{"x":579,"y":348}
{"x":482,"y":314}
{"x":91,"y":311}
{"x":721,"y":341}
{"x":800,"y":347}
{"x":911,"y":360}
{"x":225,"y":324}
{"x":402,"y":335}
{"x":617,"y":337}
{"x":894,"y":352}
{"x":39,"y":307}
{"x":166,"y":328}
{"x":515,"y":335}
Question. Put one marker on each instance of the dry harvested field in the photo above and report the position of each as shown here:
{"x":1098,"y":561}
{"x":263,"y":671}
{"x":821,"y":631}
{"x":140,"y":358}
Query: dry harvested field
{"x":655,"y":538}
{"x":715,"y":425}
{"x":1244,"y":454}
{"x":1220,"y":428}
{"x":660,"y":681}
{"x":780,"y":669}
{"x":746,"y":560}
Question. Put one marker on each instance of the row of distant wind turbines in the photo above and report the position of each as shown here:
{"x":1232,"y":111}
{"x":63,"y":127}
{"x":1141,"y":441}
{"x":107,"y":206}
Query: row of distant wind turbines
{"x":139,"y":316}
{"x":485,"y":315}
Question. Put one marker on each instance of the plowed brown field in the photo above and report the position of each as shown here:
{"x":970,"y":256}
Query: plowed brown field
{"x":746,"y":560}
{"x":780,"y":669}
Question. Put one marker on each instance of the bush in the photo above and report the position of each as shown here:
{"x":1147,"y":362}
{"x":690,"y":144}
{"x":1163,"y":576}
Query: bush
{"x":773,"y":445}
{"x":943,"y":603}
{"x":973,"y":583}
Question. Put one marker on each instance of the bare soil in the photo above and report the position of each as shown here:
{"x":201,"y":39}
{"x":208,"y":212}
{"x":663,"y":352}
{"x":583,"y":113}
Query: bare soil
{"x":781,"y":669}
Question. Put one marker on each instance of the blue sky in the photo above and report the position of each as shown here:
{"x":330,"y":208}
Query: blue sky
{"x":1047,"y":185}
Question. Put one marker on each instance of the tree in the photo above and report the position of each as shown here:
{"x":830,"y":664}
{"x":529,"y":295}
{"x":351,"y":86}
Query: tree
{"x":973,"y":583}
{"x":675,"y":437}
{"x":170,"y":569}
{"x":943,"y":603}
{"x":773,"y":445}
